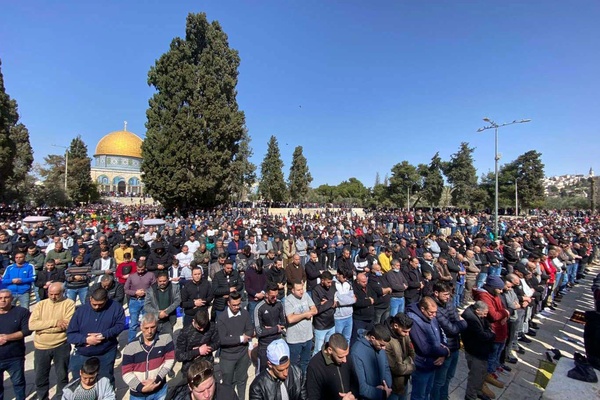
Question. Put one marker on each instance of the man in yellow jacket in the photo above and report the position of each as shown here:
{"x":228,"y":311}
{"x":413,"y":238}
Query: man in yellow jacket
{"x":49,"y":321}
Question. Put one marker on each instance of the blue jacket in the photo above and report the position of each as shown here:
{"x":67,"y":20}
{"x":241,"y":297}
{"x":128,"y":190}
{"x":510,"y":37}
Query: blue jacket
{"x":427,"y":338}
{"x":448,"y":319}
{"x":25,"y":273}
{"x":371,"y":368}
{"x":109,"y":321}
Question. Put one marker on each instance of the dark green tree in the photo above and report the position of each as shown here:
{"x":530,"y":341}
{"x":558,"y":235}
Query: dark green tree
{"x":52,"y":190}
{"x":377,"y":180}
{"x":80,"y":186}
{"x":527,"y":171}
{"x":462,"y":175}
{"x":194,"y":126}
{"x":433,"y":181}
{"x":405,"y":182}
{"x":300,"y":178}
{"x":272,"y":185}
{"x":16,"y":155}
{"x":243,"y":171}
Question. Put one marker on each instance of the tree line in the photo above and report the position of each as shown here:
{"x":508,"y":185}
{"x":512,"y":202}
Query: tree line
{"x":197,"y":150}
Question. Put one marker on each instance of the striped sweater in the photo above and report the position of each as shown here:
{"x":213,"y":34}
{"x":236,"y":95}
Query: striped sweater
{"x":141,"y":362}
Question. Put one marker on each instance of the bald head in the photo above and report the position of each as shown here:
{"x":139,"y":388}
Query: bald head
{"x":56,"y":292}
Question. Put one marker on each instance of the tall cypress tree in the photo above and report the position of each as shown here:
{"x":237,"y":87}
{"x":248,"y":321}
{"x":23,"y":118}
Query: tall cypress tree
{"x":272,"y":185}
{"x":80,"y":186}
{"x":194,"y":126}
{"x":300,"y":178}
{"x":16,"y":155}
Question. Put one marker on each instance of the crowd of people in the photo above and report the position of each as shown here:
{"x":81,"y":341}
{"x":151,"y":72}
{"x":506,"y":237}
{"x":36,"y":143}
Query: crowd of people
{"x":324,"y":305}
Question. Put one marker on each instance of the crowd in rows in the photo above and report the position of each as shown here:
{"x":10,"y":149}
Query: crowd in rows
{"x":325,"y":305}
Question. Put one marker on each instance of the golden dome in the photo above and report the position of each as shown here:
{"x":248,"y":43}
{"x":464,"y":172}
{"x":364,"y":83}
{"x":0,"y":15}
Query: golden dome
{"x":120,"y":143}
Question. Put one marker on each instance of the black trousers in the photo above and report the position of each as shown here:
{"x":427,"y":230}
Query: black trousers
{"x":43,"y":363}
{"x":235,"y":373}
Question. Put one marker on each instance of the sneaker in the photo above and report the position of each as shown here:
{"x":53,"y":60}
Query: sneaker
{"x":492,"y":379}
{"x":531,"y":332}
{"x":520,"y":350}
{"x":486,"y":391}
{"x":533,"y":325}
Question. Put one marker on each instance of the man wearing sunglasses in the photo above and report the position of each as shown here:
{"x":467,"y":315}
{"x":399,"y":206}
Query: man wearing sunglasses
{"x":281,"y":380}
{"x":201,"y":384}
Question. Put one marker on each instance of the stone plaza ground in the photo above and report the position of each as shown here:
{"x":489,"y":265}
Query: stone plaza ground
{"x":556,"y":331}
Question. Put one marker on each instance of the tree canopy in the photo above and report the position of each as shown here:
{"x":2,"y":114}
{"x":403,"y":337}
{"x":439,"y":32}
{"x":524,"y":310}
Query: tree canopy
{"x":16,"y":154}
{"x":272,"y":185}
{"x":191,"y":154}
{"x":80,"y":186}
{"x":300,"y":178}
{"x":462,"y":175}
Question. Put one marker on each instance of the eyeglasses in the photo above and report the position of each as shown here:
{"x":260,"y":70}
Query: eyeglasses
{"x":202,"y":376}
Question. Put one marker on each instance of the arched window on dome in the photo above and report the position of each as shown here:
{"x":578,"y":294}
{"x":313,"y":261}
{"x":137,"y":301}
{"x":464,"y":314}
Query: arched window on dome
{"x":119,"y":185}
{"x":134,"y":186}
{"x":103,"y":184}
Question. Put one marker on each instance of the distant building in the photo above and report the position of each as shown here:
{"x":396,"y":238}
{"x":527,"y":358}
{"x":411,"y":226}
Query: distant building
{"x":116,"y":164}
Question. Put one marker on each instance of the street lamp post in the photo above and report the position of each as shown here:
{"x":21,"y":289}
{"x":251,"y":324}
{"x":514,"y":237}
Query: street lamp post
{"x":495,"y":127}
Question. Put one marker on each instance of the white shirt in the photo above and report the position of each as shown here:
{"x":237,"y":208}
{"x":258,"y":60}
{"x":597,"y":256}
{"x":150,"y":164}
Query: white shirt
{"x":185,"y":259}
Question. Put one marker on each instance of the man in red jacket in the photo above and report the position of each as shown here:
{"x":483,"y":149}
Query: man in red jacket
{"x":498,"y":318}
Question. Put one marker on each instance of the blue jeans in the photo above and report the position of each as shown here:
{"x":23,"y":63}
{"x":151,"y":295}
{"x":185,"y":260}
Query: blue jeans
{"x":481,"y":278}
{"x":458,"y":295}
{"x":81,"y":292}
{"x":23,"y":299}
{"x":443,"y":376}
{"x":136,"y":309}
{"x":495,"y":270}
{"x":107,"y":364}
{"x":160,"y":395}
{"x":396,"y":396}
{"x":572,"y":271}
{"x":300,"y":354}
{"x":321,"y":336}
{"x":396,"y":306}
{"x":494,"y":357}
{"x":251,"y":306}
{"x":422,"y":381}
{"x":16,"y":370}
{"x":344,"y":326}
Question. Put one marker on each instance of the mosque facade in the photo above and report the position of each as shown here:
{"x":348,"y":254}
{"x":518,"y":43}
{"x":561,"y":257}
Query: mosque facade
{"x":116,"y":164}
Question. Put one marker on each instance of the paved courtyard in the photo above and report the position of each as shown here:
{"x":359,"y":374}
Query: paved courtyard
{"x":557,"y":331}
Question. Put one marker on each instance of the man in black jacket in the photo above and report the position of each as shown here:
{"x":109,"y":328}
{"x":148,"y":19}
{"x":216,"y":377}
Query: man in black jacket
{"x":451,"y":324}
{"x":196,"y":341}
{"x":269,"y":322}
{"x":196,"y":294}
{"x":330,"y":374}
{"x":414,"y":281}
{"x":313,"y":270}
{"x":225,"y":282}
{"x":280,"y":375}
{"x":478,"y":339}
{"x":363,"y":309}
{"x":276,"y":274}
{"x":324,"y":298}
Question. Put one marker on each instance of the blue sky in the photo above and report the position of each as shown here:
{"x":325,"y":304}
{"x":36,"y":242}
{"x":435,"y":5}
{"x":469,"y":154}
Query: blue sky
{"x":361,"y":85}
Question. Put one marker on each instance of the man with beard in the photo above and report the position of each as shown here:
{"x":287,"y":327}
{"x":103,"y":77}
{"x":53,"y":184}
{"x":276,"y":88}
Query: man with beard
{"x":330,"y":374}
{"x":294,"y":272}
{"x":363,"y":311}
{"x":255,"y":281}
{"x":159,"y":258}
{"x":45,"y":278}
{"x":217,"y":266}
{"x":49,"y":321}
{"x":400,"y":354}
{"x":269,"y":322}
{"x":264,"y":246}
{"x":202,"y":259}
{"x":162,"y":299}
{"x":115,"y":290}
{"x":136,"y":286}
{"x":225,"y":282}
{"x":245,"y":259}
{"x":196,"y":295}
{"x":452,"y":325}
{"x":370,"y":363}
{"x":325,"y":300}
{"x":197,"y":341}
{"x":14,"y":326}
{"x":313,"y":269}
{"x":94,"y":330}
{"x":276,"y":274}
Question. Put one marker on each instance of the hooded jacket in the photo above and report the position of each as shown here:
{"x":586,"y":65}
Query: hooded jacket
{"x":401,"y":358}
{"x":371,"y":368}
{"x":428,"y":339}
{"x":450,"y":322}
